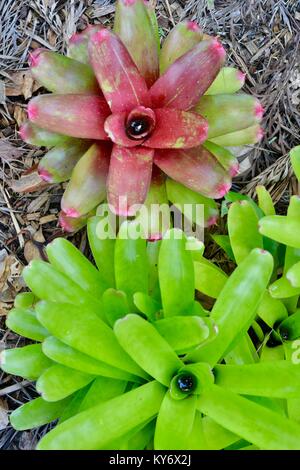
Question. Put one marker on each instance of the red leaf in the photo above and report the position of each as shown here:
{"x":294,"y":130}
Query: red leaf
{"x":196,"y":169}
{"x":129,"y":178}
{"x":122,"y":84}
{"x":187,"y":79}
{"x":73,"y":115}
{"x":177,"y":129}
{"x":116,"y":126}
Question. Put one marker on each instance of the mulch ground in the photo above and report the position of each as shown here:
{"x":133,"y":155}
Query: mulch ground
{"x":262,"y":37}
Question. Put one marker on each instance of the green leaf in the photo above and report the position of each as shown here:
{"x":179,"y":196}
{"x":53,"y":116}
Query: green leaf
{"x":65,"y":355}
{"x":24,"y":322}
{"x":102,"y":390}
{"x":147,"y":305}
{"x":281,"y":229}
{"x":271,"y":310}
{"x":58,"y":382}
{"x":184,"y":333}
{"x":174,"y":423}
{"x":131,"y":264}
{"x":265,"y":202}
{"x":209,"y":279}
{"x":84,"y":331}
{"x":68,"y":260}
{"x":295,"y":160}
{"x":224,"y":242}
{"x":102,"y":249}
{"x":25,"y":300}
{"x":280,"y":379}
{"x":28,"y":362}
{"x":125,"y":412}
{"x":147,"y":348}
{"x":36,"y":413}
{"x":243,"y":230}
{"x":74,"y":404}
{"x":236,"y":306}
{"x":176,"y":274}
{"x":250,"y":421}
{"x":47,"y":283}
{"x":289,"y":329}
{"x":115,"y":305}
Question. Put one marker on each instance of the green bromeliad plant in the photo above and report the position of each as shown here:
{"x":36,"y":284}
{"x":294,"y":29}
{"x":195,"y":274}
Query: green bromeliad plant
{"x":125,"y":358}
{"x":124,"y":114}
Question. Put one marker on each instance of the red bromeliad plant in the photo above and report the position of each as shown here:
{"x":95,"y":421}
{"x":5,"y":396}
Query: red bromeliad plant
{"x":120,"y":107}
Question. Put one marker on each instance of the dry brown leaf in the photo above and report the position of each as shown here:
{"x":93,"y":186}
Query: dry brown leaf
{"x":20,"y":115}
{"x":22,"y":84}
{"x":30,"y":181}
{"x":3,"y":415}
{"x":32,"y":251}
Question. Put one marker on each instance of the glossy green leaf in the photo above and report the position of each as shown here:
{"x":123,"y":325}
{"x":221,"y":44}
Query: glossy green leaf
{"x":255,"y":423}
{"x":293,"y":275}
{"x":281,"y":229}
{"x":130,"y":263}
{"x":271,"y":310}
{"x":182,"y":196}
{"x":147,"y":348}
{"x":265,"y":202}
{"x":125,"y":412}
{"x":152,"y":255}
{"x":85,"y":332}
{"x":289,"y":329}
{"x":280,"y":379}
{"x":174,"y":423}
{"x":176,"y":274}
{"x":102,"y":390}
{"x":47,"y":283}
{"x":115,"y":305}
{"x":243,"y":352}
{"x":25,"y":300}
{"x":228,"y":80}
{"x":24,"y":322}
{"x":283,"y":289}
{"x":147,"y":305}
{"x":36,"y":413}
{"x":67,"y":259}
{"x":184,"y":333}
{"x":241,"y":214}
{"x":102,"y":249}
{"x":216,"y":437}
{"x":209,"y":280}
{"x":58,"y":382}
{"x":295,"y":160}
{"x":224,"y":242}
{"x":28,"y":362}
{"x":73,"y":406}
{"x":63,"y":354}
{"x":236,"y":306}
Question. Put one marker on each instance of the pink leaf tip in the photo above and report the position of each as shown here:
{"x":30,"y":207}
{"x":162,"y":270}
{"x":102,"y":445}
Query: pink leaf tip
{"x":64,"y":224}
{"x":260,"y":134}
{"x":241,"y":76}
{"x":32,"y":111}
{"x":128,"y":3}
{"x":100,"y":36}
{"x":34,"y":57}
{"x":45,"y":175}
{"x":223,"y":189}
{"x":154,"y":237}
{"x":259,"y":110}
{"x":23,"y":133}
{"x":217,"y":47}
{"x":234,"y":170}
{"x":212,"y":220}
{"x":192,"y":26}
{"x":71,"y":212}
